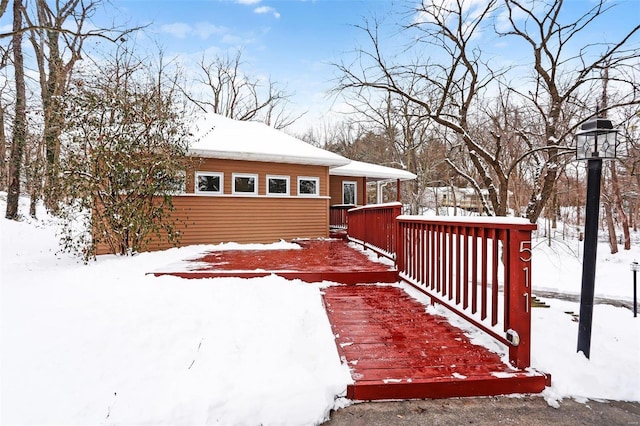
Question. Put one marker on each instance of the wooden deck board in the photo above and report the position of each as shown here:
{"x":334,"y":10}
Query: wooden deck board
{"x":317,"y":260}
{"x":396,"y":350}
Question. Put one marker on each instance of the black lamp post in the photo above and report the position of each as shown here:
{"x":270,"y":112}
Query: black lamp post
{"x":595,"y":141}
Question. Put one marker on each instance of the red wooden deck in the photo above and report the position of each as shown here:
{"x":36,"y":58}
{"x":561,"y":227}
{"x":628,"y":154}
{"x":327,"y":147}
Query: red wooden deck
{"x":318,"y":260}
{"x":395,"y":350}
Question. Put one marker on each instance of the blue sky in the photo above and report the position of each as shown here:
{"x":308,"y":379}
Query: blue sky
{"x":291,"y":41}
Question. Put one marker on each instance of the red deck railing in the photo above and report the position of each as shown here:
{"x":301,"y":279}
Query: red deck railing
{"x":338,"y":215}
{"x":478,"y":267}
{"x":374,"y":226}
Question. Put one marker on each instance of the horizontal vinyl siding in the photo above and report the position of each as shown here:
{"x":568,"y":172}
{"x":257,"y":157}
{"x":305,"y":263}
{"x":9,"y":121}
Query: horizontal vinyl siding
{"x":212,"y":219}
{"x":335,"y":188}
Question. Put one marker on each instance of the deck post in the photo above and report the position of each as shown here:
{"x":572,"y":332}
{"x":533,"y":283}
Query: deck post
{"x":519,"y":295}
{"x":365,"y":199}
{"x":399,"y":245}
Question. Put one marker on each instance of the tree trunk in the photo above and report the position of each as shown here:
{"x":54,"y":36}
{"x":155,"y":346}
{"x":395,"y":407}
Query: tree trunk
{"x":578,"y":206}
{"x":617,"y":201}
{"x":608,"y":214}
{"x":19,"y":121}
{"x":554,"y":214}
{"x":32,"y":175}
{"x":3,"y":153}
{"x":53,"y":120}
{"x":32,"y":203}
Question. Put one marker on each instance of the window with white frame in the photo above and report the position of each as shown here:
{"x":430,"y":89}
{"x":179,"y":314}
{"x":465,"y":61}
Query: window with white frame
{"x":308,"y":186}
{"x":277,"y":185}
{"x":245,"y":184}
{"x":349,"y":192}
{"x":209,"y":183}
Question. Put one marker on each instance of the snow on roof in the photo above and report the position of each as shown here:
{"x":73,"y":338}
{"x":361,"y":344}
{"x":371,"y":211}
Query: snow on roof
{"x":221,"y":137}
{"x":372,"y":171}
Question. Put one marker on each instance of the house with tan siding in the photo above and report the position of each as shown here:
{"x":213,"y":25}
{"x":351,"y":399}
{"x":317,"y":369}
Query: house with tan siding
{"x":251,"y":183}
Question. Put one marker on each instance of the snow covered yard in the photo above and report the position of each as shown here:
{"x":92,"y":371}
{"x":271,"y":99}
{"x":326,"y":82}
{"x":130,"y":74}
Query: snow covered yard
{"x":106,"y":344}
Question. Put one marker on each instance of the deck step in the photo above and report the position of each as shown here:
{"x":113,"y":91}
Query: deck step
{"x":355,"y":277}
{"x":396,"y":350}
{"x":445,"y":387}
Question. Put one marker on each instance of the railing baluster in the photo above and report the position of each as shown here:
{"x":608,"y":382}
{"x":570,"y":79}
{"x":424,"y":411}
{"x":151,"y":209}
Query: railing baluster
{"x":451,"y":263}
{"x":458,"y":263}
{"x":417,"y":263}
{"x":439,"y":256}
{"x":465,"y":276}
{"x":495,"y":257}
{"x":419,"y":244}
{"x":474,"y":272}
{"x":424,"y":249}
{"x":485,"y":269}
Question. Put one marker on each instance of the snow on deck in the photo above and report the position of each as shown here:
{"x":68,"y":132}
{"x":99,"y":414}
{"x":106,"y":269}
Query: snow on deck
{"x":393,"y":347}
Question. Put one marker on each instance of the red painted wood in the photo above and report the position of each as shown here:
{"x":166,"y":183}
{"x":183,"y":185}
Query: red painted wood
{"x":450,"y":262}
{"x":485,"y":266}
{"x":375,"y":225}
{"x":465,"y":278}
{"x":458,"y":269}
{"x":492,"y":299}
{"x":494,"y":277}
{"x":519,"y":296}
{"x":438,"y":263}
{"x":395,"y":350}
{"x":474,"y":271}
{"x":338,"y":216}
{"x":476,"y":386}
{"x":318,"y":260}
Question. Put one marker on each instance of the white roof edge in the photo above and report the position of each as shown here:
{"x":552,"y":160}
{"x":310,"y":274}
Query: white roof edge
{"x":247,"y":156}
{"x":373,"y":171}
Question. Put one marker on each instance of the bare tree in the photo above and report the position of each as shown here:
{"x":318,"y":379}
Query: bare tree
{"x":403,"y":127}
{"x":45,"y":36}
{"x":455,"y":82}
{"x":629,"y":137}
{"x":446,"y":91}
{"x":20,"y":117}
{"x":227,"y":90}
{"x":57,"y":34}
{"x":563,"y":77}
{"x":3,"y":7}
{"x":3,"y":148}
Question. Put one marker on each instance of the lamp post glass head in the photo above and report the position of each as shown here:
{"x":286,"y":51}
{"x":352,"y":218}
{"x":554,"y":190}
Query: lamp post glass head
{"x":596,"y":139}
{"x":635,"y":266}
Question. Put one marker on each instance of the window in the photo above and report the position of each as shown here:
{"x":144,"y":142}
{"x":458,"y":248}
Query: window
{"x":245,"y":184}
{"x":209,"y":183}
{"x":308,"y":186}
{"x":349,"y":192}
{"x":277,"y":185}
